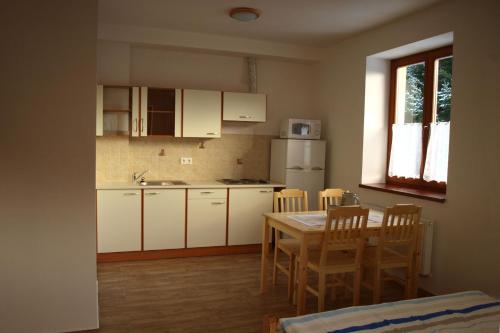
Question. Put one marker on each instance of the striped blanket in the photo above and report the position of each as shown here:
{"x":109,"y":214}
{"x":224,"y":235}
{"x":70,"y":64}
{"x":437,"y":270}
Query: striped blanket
{"x":471,"y":311}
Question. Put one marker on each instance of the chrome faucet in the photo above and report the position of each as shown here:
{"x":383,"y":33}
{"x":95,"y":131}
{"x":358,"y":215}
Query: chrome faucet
{"x":138,"y":177}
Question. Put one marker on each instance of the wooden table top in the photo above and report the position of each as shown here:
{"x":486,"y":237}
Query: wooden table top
{"x":285,"y":218}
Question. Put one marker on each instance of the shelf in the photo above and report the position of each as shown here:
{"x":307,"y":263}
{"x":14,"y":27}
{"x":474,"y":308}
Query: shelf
{"x":161,"y":111}
{"x":115,"y":110}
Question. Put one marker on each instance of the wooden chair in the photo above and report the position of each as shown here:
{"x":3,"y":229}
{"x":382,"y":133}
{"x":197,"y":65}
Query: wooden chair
{"x":330,"y":196}
{"x":288,"y":200}
{"x":341,"y":250}
{"x":397,"y":243}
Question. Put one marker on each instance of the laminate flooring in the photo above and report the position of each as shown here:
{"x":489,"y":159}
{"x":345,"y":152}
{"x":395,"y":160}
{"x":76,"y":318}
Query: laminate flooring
{"x":199,"y":294}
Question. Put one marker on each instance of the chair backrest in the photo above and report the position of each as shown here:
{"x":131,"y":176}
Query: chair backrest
{"x":400,"y":227}
{"x":291,"y":200}
{"x":344,"y":230}
{"x":330,"y":196}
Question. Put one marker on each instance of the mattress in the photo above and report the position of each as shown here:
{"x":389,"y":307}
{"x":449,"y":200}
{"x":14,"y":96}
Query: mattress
{"x":471,"y":311}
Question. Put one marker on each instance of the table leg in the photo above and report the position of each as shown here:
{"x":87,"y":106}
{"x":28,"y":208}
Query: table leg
{"x":265,"y":251}
{"x":301,"y":290}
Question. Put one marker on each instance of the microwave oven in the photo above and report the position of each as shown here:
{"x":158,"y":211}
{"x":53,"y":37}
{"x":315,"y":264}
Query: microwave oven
{"x":300,"y":129}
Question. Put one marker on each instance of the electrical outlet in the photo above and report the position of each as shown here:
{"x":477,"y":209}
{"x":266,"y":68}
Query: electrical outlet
{"x":186,"y":160}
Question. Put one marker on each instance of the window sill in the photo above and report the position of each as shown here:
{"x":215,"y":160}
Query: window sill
{"x":408,"y":191}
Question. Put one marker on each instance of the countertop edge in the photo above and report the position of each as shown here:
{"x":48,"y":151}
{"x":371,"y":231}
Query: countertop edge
{"x":188,"y":186}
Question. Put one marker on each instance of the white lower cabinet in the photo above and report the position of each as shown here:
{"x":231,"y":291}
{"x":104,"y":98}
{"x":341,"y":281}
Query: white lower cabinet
{"x":118,"y":220}
{"x":164,"y":219}
{"x":206,"y":217}
{"x":246,"y":206}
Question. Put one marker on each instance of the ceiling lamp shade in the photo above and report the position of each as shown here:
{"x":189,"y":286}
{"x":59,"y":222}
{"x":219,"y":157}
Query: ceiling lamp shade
{"x":244,"y":14}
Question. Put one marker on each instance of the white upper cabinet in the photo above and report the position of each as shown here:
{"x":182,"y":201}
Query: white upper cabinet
{"x":201,"y":114}
{"x":99,"y":111}
{"x":143,"y":121}
{"x":244,"y":107}
{"x":135,"y":112}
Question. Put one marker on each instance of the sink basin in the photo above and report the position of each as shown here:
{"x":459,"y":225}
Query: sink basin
{"x":162,"y":183}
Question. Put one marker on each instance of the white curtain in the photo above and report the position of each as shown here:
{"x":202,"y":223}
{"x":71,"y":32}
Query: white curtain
{"x":436,"y":162}
{"x":406,"y":150}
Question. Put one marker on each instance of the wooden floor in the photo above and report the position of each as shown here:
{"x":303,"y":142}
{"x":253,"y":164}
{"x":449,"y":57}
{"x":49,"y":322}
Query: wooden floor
{"x":202,"y":294}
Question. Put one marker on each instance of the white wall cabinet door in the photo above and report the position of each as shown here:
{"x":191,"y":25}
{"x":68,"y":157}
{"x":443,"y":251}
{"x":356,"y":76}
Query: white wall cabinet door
{"x":164,"y":219}
{"x":244,"y":107}
{"x":143,"y":121}
{"x":99,"y":111}
{"x":118,"y":220}
{"x":201,"y":113}
{"x":246,"y":206}
{"x":135,"y":131}
{"x":206,"y":220}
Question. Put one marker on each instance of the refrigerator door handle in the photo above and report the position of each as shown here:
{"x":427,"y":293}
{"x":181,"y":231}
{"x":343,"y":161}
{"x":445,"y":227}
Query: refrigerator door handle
{"x":296,"y":168}
{"x":316,"y":168}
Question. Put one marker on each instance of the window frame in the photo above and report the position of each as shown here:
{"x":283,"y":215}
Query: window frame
{"x":428,"y":57}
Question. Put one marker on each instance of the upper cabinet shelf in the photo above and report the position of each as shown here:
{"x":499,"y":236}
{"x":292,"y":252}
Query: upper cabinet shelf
{"x":244,"y":107}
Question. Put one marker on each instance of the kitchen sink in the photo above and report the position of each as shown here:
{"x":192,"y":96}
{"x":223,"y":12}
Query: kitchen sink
{"x":162,"y":183}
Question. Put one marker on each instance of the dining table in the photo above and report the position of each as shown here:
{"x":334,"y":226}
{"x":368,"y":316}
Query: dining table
{"x":308,"y":228}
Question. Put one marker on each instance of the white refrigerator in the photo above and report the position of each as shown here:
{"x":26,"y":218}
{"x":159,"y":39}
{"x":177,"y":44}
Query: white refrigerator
{"x":299,"y":164}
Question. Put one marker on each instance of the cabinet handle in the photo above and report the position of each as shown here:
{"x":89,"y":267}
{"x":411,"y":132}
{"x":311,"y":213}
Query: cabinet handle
{"x":266,"y":191}
{"x":152,"y":193}
{"x":245,"y":117}
{"x":142,"y":125}
{"x":212,"y":133}
{"x":135,"y":125}
{"x":130,"y":193}
{"x":218,"y":203}
{"x":207,"y":192}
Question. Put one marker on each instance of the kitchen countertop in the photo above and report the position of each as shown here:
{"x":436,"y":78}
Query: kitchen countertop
{"x":192,"y":184}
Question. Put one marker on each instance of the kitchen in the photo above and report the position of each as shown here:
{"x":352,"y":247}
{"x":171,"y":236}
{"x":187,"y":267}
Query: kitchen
{"x":65,"y":271}
{"x":183,"y":210}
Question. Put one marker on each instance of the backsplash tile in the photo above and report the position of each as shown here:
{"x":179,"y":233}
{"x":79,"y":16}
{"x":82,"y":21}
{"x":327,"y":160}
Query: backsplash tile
{"x":118,"y":157}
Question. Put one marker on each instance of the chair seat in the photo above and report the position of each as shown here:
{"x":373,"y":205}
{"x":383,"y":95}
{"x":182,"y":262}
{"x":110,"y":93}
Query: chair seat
{"x":390,"y":258}
{"x":292,"y":246}
{"x":338,"y":262}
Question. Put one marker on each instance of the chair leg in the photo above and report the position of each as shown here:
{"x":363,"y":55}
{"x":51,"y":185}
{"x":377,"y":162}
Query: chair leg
{"x":295,"y":278}
{"x":334,"y":287}
{"x":377,"y":284}
{"x":321,"y":291}
{"x":275,"y":262}
{"x":409,"y":282}
{"x":291,"y":277}
{"x":357,"y":287}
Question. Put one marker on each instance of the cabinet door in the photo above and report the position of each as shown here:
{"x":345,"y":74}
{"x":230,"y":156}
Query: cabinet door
{"x":164,"y":219}
{"x":118,"y":220}
{"x":206,"y":222}
{"x":99,"y":111}
{"x":201,"y":114}
{"x":244,"y":107}
{"x":135,"y":112}
{"x":246,"y":206}
{"x":143,"y":121}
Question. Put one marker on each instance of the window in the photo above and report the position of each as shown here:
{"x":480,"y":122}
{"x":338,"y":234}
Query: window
{"x":419,"y":120}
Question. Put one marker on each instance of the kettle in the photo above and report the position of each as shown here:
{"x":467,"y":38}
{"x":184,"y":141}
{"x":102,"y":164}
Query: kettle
{"x":350,"y":199}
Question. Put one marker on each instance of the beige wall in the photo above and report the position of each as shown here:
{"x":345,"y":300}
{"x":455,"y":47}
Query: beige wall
{"x":47,"y":214}
{"x":467,"y":232}
{"x":117,"y":158}
{"x":288,"y":85}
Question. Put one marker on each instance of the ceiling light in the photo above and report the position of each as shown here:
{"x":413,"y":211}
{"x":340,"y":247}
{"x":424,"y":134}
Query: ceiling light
{"x":244,"y":14}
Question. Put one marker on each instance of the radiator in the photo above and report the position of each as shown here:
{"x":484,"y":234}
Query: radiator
{"x":427,"y":235}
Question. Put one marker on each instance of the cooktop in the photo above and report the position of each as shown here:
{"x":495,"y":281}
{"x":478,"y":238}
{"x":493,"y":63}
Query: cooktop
{"x":228,"y":181}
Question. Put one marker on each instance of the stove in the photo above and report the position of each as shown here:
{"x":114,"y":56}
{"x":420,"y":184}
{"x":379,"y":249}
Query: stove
{"x":243,"y":181}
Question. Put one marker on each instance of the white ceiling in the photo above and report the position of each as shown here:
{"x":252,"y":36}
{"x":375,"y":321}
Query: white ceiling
{"x":307,"y":22}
